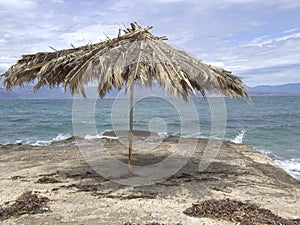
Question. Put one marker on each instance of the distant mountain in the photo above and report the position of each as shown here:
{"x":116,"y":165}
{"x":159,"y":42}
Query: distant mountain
{"x":26,"y":93}
{"x":266,"y":90}
{"x":6,"y":95}
{"x":57,"y":93}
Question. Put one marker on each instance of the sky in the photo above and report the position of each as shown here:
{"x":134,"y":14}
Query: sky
{"x":256,"y":40}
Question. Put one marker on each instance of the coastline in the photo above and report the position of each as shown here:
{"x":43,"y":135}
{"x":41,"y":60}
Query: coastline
{"x":80,"y":195}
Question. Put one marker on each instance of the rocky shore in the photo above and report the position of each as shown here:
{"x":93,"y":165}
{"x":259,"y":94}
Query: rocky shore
{"x":59,"y":184}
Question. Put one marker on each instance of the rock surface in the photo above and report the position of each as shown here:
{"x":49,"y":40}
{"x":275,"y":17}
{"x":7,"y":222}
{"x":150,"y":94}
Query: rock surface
{"x":79,"y":194}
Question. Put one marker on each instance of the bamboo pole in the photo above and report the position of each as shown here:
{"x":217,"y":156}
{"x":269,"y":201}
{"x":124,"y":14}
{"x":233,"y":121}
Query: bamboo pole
{"x":130,"y":135}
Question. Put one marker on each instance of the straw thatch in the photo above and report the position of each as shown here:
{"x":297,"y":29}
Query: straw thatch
{"x":136,"y":55}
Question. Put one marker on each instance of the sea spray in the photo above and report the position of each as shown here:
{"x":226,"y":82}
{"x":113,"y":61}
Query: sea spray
{"x":61,"y":137}
{"x":37,"y":142}
{"x":239,"y":138}
{"x":292,"y":166}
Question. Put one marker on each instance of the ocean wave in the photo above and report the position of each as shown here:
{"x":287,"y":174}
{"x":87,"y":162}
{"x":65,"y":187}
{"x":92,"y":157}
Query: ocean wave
{"x":58,"y":137}
{"x":61,"y":137}
{"x":239,"y":137}
{"x":92,"y":137}
{"x":162,"y":135}
{"x":291,"y":166}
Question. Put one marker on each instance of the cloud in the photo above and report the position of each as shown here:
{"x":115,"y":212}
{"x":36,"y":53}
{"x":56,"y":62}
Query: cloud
{"x":282,"y":4}
{"x":249,"y":37}
{"x":290,"y":30}
{"x":5,"y":63}
{"x":219,"y":4}
{"x":17,"y":5}
{"x":260,"y":42}
{"x":263,"y":60}
{"x":85,"y":35}
{"x":57,"y":1}
{"x":168,"y":1}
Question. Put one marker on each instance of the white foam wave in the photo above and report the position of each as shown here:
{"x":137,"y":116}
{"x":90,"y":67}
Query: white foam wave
{"x":59,"y":137}
{"x":162,"y":135}
{"x":292,"y":166}
{"x":187,"y":134}
{"x":38,"y":143}
{"x":91,"y":137}
{"x":239,"y":138}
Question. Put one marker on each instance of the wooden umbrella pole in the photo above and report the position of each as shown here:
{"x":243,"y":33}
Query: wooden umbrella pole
{"x":130,"y":137}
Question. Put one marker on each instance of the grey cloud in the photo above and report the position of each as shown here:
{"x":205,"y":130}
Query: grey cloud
{"x":214,"y":30}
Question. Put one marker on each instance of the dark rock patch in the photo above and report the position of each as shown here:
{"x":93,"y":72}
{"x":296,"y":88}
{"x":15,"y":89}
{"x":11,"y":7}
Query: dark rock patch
{"x":47,"y":180}
{"x":153,"y":223}
{"x":27,"y":203}
{"x":236,"y":211}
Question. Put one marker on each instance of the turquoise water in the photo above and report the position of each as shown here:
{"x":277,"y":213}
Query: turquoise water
{"x":270,"y":124}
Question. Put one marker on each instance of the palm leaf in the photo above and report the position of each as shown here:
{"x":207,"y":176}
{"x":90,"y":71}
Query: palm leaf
{"x":136,"y":56}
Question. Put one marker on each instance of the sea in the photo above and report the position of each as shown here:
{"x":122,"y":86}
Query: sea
{"x":271,"y":124}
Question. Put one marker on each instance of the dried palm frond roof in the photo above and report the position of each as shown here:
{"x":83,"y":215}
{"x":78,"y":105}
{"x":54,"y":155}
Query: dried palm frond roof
{"x":135,"y":55}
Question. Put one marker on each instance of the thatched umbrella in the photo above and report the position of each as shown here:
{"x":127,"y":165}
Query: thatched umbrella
{"x":135,"y":55}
